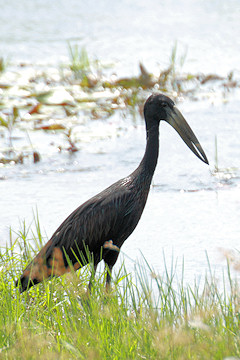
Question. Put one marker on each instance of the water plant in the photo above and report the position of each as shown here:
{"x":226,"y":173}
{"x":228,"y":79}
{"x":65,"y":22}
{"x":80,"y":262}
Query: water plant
{"x":3,"y":64}
{"x":72,"y":93}
{"x":169,"y":77}
{"x":80,"y":63}
{"x":8,"y":121}
{"x":72,"y":143}
{"x":216,"y":167}
{"x":224,"y":175}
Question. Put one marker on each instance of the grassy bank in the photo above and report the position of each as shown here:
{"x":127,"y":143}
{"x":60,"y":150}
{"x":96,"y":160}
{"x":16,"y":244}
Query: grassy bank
{"x":146,"y":316}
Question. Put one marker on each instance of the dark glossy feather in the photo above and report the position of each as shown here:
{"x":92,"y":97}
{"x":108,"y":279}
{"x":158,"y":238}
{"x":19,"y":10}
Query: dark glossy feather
{"x":111,"y":215}
{"x":100,"y":226}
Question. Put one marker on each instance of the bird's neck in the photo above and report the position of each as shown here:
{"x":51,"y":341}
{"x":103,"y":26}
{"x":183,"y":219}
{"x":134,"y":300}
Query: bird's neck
{"x":149,"y":160}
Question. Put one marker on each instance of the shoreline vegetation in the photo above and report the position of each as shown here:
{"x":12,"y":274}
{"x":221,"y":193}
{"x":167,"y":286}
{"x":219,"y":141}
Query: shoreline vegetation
{"x":145,"y":315}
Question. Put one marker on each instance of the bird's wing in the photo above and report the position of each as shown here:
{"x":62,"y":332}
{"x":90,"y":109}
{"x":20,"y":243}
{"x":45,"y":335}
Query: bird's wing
{"x":99,"y":219}
{"x":107,"y":216}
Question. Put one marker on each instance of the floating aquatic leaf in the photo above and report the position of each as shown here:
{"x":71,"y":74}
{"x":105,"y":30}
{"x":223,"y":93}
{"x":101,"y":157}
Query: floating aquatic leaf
{"x":51,"y":127}
{"x":43,"y":97}
{"x":5,"y":86}
{"x":145,"y":80}
{"x":59,"y":97}
{"x":18,"y":159}
{"x":35,"y":109}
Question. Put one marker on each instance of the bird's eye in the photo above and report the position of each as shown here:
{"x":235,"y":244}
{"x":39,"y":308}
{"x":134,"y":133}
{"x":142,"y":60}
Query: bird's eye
{"x":164,"y":104}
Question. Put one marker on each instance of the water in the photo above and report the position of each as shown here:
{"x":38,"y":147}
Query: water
{"x":189,"y":211}
{"x":126,"y":32}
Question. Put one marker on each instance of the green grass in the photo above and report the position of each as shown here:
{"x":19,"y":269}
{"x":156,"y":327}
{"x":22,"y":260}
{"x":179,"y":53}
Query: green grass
{"x":144,"y":316}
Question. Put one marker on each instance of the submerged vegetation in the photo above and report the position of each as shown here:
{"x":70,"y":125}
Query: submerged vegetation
{"x":149,"y":316}
{"x":223,"y":175}
{"x":61,"y":100}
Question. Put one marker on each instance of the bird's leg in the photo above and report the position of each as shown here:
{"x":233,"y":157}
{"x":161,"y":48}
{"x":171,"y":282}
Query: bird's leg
{"x":110,"y":255}
{"x":109,"y":276}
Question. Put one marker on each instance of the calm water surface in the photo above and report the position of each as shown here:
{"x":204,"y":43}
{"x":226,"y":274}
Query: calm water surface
{"x":189,"y":211}
{"x":126,"y":32}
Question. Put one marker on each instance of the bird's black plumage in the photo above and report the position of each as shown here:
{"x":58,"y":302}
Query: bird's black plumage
{"x":101,"y":225}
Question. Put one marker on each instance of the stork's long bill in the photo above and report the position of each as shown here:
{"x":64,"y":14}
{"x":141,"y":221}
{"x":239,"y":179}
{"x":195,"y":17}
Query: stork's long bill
{"x":177,"y":121}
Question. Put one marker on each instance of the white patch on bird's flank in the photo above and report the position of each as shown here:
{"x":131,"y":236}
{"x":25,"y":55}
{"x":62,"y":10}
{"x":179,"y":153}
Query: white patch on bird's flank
{"x":109,"y":245}
{"x":126,"y":180}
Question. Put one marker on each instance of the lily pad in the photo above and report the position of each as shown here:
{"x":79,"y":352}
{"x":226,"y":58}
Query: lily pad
{"x":56,"y":97}
{"x":51,"y":127}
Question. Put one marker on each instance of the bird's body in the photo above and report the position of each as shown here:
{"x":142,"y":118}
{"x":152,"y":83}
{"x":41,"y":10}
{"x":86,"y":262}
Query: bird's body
{"x":97,"y":229}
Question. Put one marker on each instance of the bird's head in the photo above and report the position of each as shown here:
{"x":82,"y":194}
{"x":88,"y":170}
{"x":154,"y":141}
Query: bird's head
{"x":160,"y":107}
